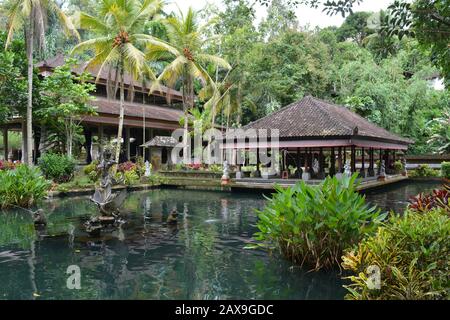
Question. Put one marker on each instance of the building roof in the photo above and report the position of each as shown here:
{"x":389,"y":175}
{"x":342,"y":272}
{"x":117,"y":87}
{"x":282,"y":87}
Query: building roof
{"x":111,"y":106}
{"x":312,"y":118}
{"x":161,"y":141}
{"x":59,"y":59}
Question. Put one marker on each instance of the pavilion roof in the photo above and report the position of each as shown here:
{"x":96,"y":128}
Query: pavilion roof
{"x":59,"y":59}
{"x":312,"y":118}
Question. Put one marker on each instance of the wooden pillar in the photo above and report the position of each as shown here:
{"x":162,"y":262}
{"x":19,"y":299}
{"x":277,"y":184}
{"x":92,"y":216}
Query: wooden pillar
{"x":363,"y":163}
{"x":321,"y":164}
{"x":258,"y":164}
{"x":5,"y":142}
{"x":353,"y":159}
{"x":344,"y":160}
{"x":340,"y":165}
{"x":100,"y":139}
{"x":299,"y":165}
{"x":372,"y":164}
{"x":332,"y":163}
{"x":88,"y":144}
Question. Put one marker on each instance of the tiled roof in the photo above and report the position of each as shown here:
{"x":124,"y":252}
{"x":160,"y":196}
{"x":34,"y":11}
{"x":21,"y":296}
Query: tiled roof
{"x":315,"y":118}
{"x":109,"y":106}
{"x":161,"y":141}
{"x":58,"y":60}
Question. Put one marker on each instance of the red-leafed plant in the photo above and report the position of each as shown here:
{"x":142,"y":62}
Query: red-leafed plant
{"x":439,"y":198}
{"x":8,"y":165}
{"x":126,"y":166}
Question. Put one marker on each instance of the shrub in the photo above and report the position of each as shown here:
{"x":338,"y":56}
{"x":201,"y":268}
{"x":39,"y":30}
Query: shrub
{"x":423,"y":171}
{"x":437,"y":199}
{"x":9,"y":165}
{"x":92,"y":171}
{"x":445,"y":170}
{"x":140,"y":166}
{"x":314,"y":224}
{"x":126,"y":166}
{"x":58,"y":167}
{"x":22,"y":187}
{"x":412,"y":254}
{"x":398,"y":166}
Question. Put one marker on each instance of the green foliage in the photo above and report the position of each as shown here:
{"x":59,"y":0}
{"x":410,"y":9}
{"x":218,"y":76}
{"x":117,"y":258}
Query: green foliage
{"x":80,"y":181}
{"x":92,"y":171}
{"x":412,"y":254}
{"x":57,"y":167}
{"x":423,"y":171}
{"x":445,"y":169}
{"x":398,"y":166}
{"x":314,"y":224}
{"x":66,"y":97}
{"x":22,"y":187}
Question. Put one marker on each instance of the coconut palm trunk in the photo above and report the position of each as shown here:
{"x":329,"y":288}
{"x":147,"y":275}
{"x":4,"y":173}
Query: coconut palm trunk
{"x":28,"y":153}
{"x":121,"y":114}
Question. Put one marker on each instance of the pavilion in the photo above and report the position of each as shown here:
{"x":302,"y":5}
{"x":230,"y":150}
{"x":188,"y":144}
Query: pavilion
{"x":318,"y":138}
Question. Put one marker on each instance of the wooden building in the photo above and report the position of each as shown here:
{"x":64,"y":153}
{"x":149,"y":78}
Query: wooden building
{"x":146,"y":116}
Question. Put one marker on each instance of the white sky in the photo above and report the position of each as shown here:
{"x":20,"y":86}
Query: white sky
{"x":306,"y":16}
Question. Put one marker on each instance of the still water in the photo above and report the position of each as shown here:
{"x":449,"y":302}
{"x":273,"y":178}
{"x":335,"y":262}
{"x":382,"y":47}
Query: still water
{"x":201,"y":258}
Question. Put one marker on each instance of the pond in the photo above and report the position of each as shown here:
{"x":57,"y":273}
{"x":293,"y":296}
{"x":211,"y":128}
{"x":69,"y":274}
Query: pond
{"x":202,"y":258}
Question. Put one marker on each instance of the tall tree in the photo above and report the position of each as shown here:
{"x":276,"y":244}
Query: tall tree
{"x":30,"y":15}
{"x":185,"y":36}
{"x":67,"y":97}
{"x":118,"y":42}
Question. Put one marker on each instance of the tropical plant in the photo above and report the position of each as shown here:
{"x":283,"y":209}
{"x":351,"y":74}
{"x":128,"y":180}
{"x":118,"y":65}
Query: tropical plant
{"x":441,"y":133}
{"x":23,"y":186}
{"x":187,"y":47}
{"x":118,"y":43}
{"x":57,"y":167}
{"x":445,"y":170}
{"x":31,"y":16}
{"x":92,"y":171}
{"x":437,"y":199}
{"x":312,"y":225}
{"x":411,"y":253}
{"x":424,"y":170}
{"x":66,"y":97}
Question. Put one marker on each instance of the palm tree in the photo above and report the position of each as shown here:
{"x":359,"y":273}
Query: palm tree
{"x":189,"y":59}
{"x":118,"y":42}
{"x":30,"y":15}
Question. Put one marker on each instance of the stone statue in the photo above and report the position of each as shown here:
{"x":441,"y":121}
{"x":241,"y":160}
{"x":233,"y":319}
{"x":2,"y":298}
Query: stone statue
{"x":347,"y":169}
{"x":315,"y":166}
{"x":39,"y":218}
{"x":107,"y":202}
{"x":382,"y":175}
{"x":148,"y":170}
{"x":404,"y":171}
{"x":173,"y":217}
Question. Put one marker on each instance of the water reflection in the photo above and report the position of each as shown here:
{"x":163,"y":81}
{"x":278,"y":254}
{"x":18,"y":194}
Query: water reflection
{"x":200,"y":257}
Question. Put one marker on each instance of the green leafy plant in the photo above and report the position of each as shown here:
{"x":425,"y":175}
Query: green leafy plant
{"x":22,"y":187}
{"x":60,"y":168}
{"x":412,"y":255}
{"x":445,"y":170}
{"x":313,"y":224}
{"x":92,"y":171}
{"x":398,"y":166}
{"x":424,"y":171}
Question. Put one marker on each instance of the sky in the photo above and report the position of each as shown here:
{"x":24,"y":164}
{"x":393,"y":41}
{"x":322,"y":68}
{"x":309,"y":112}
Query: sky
{"x":306,"y":16}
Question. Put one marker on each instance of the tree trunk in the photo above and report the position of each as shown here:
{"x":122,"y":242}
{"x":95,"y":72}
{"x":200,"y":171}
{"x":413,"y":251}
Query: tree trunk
{"x":121,"y":116}
{"x":29,"y":122}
